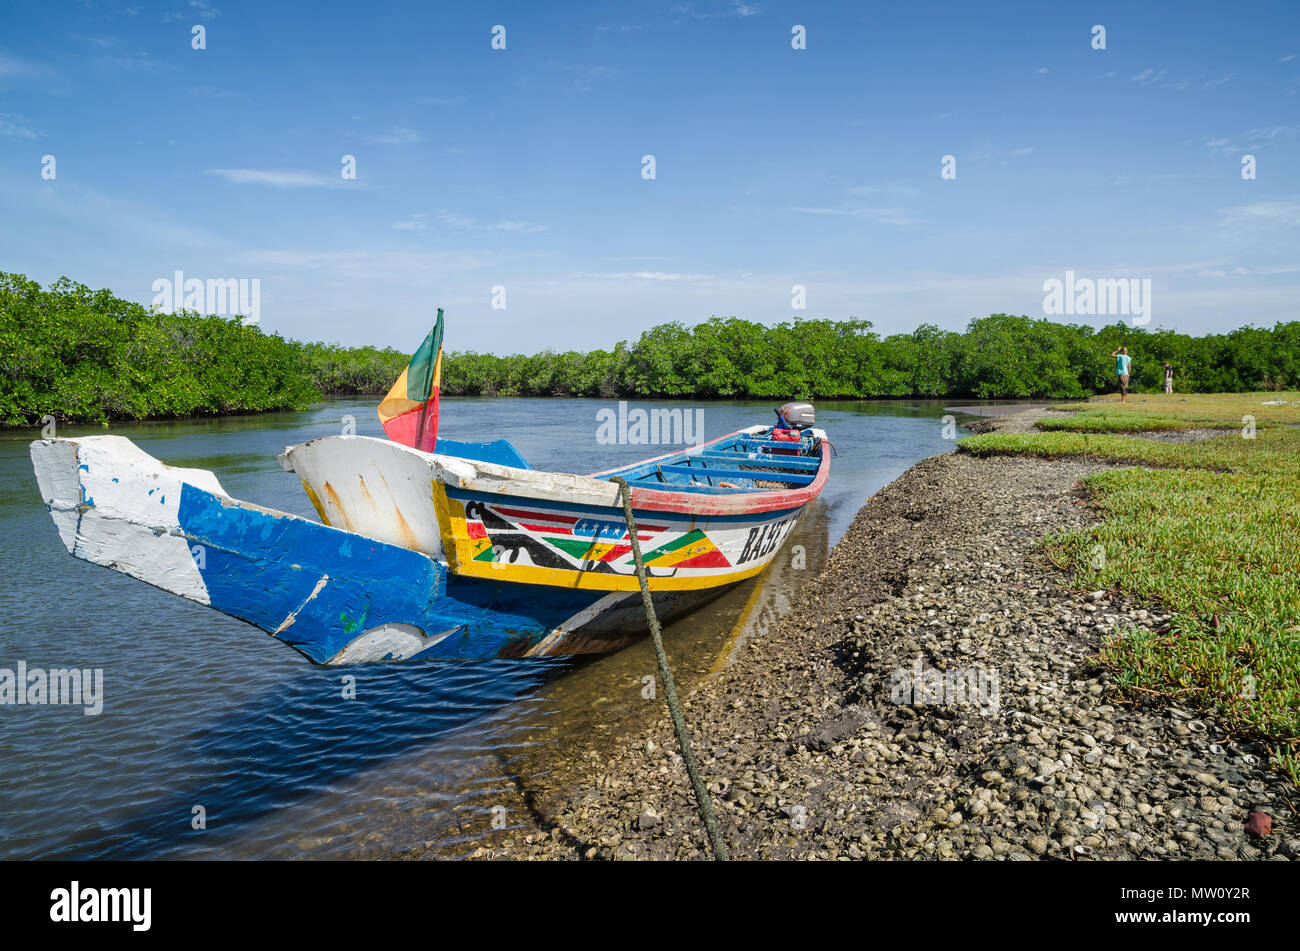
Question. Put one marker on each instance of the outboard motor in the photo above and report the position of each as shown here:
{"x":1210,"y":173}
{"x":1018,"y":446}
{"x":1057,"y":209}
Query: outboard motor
{"x":791,"y":420}
{"x":796,"y":416}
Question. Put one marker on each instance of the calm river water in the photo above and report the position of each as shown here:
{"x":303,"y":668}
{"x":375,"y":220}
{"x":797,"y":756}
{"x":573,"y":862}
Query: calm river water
{"x":201,"y":710}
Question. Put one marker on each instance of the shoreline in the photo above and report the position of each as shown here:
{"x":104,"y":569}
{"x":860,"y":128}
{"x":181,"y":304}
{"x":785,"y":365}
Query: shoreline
{"x":809,"y":754}
{"x":992,"y":407}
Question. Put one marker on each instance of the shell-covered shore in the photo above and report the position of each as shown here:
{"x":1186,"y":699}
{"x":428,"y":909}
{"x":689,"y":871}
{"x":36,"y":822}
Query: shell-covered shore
{"x":933,"y":695}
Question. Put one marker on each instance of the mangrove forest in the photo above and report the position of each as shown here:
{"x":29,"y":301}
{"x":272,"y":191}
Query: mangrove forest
{"x":87,"y":356}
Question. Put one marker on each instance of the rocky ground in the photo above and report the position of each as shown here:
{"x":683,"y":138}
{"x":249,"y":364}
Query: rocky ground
{"x":934,"y":697}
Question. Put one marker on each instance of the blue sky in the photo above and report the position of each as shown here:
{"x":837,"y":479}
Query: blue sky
{"x":774,"y":166}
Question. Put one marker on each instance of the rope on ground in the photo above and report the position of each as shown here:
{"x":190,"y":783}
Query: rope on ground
{"x":716,"y":841}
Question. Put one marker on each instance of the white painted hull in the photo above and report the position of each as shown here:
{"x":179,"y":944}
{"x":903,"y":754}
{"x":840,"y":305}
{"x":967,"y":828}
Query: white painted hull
{"x":515,"y":524}
{"x":336,"y":596}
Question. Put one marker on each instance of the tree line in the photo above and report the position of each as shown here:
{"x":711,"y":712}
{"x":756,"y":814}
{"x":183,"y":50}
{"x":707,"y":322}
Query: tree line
{"x":999,"y":356}
{"x":87,"y":356}
{"x":83,"y":355}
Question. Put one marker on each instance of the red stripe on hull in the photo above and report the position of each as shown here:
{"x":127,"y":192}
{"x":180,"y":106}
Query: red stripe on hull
{"x":691,"y":503}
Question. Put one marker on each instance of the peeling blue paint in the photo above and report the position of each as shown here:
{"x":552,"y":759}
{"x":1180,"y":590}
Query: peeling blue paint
{"x":260,"y":566}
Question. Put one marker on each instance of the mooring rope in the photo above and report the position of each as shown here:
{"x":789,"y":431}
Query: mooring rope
{"x":716,"y":842}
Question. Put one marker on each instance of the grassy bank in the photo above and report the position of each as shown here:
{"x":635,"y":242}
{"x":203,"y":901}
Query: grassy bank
{"x":1209,"y":529}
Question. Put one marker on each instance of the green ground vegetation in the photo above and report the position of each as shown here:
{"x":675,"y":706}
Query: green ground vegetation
{"x":1209,"y":529}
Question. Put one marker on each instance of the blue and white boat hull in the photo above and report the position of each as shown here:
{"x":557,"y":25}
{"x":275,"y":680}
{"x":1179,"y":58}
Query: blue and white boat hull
{"x":336,"y":596}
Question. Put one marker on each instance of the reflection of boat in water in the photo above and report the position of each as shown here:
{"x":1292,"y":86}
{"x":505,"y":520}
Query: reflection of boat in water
{"x":466,"y":552}
{"x":602,"y":701}
{"x":775,"y":593}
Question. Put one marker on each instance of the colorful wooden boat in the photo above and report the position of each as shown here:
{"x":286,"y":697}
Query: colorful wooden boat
{"x":462,"y":553}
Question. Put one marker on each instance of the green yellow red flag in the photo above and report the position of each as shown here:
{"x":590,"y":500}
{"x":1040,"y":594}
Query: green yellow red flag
{"x":409,"y":413}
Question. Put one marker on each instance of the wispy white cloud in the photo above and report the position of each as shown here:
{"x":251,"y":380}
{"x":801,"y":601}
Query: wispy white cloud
{"x":197,"y":8}
{"x":1156,"y":77}
{"x":1148,"y":76}
{"x":14,"y":69}
{"x":100,"y":215}
{"x":398,"y":135}
{"x":275,"y":178}
{"x":111,"y":54}
{"x":220,"y":95}
{"x":884,"y":216}
{"x":1269,"y":271}
{"x":641,"y":276}
{"x":583,"y":78}
{"x":987,"y":153}
{"x":892,"y":215}
{"x":738,"y":8}
{"x":462,"y":221}
{"x":893,"y":188}
{"x":17,"y":127}
{"x":587,"y":78}
{"x":349,"y":265}
{"x":1261,"y":214}
{"x":1266,"y":270}
{"x":1272,"y":132}
{"x":141,"y":62}
{"x":1255,"y":139}
{"x":520,"y":227}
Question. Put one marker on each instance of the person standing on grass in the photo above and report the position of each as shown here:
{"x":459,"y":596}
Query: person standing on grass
{"x":1122,"y":363}
{"x":1169,"y":379}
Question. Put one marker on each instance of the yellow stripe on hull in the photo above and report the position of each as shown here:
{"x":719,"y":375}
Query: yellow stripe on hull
{"x":460,"y":551}
{"x":588,"y":581}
